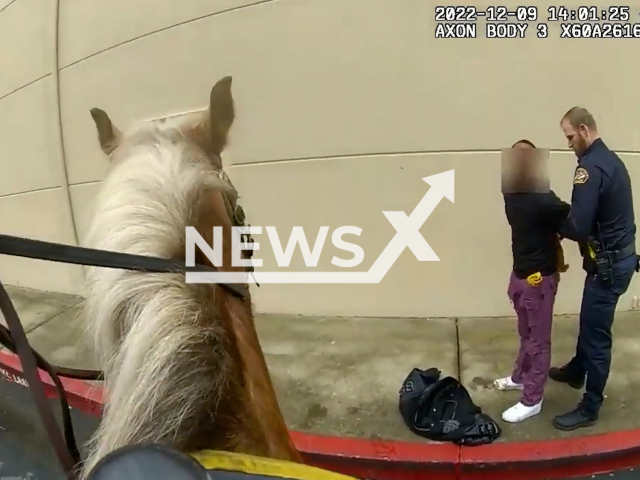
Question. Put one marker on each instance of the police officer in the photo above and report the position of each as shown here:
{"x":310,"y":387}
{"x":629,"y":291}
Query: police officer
{"x":602,"y":222}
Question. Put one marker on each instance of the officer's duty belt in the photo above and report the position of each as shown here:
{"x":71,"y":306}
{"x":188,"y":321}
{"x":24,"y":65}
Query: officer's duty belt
{"x":617,"y":255}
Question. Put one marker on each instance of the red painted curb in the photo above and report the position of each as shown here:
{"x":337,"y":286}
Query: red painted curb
{"x":420,"y":460}
{"x":557,"y":458}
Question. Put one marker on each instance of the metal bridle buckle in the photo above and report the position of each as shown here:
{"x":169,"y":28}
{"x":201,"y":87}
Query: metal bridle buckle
{"x":247,"y":238}
{"x":239,"y":215}
{"x":222,"y":175}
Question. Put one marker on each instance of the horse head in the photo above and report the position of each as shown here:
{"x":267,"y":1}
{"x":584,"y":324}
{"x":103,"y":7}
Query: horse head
{"x":182,"y":362}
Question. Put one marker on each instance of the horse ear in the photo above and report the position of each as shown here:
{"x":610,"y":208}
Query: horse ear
{"x":108,"y":135}
{"x":221,"y":112}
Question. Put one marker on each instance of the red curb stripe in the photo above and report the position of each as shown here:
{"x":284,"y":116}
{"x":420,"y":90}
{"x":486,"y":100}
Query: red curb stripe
{"x":420,"y":460}
{"x":556,"y":458}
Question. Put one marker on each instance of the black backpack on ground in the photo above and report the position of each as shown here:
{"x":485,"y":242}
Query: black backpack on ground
{"x":442,"y":410}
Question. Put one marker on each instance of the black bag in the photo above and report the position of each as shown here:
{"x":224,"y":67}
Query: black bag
{"x":442,"y":410}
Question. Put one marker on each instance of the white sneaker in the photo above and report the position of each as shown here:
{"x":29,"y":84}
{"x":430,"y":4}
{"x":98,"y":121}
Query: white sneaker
{"x":507,"y":384}
{"x":520,"y":412}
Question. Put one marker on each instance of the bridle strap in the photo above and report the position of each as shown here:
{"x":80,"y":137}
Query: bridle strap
{"x":236,"y":214}
{"x":56,"y":252}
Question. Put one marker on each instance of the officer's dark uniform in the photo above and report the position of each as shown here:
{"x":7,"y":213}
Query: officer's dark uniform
{"x":601,"y":218}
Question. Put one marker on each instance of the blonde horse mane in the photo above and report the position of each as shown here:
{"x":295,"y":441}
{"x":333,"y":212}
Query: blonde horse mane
{"x":166,"y":352}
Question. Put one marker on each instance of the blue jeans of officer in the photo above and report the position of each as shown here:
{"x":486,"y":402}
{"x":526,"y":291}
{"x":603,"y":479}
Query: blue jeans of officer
{"x":593,"y":351}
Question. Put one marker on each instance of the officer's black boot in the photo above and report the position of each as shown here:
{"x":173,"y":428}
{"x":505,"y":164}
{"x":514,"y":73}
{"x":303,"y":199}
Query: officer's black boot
{"x":577,"y":418}
{"x":564,"y":375}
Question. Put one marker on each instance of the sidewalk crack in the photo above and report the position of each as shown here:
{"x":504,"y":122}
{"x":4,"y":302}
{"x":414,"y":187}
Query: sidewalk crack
{"x":458,"y":354}
{"x":38,"y":325}
{"x":458,"y":464}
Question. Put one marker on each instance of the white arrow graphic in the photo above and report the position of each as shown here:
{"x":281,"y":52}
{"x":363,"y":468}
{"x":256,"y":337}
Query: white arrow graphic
{"x":408,"y":228}
{"x":407,"y":235}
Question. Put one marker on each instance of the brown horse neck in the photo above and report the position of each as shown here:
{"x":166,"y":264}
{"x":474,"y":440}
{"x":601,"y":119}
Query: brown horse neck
{"x":260,"y":396}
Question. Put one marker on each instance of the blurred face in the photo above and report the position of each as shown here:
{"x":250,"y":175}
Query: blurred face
{"x":577,"y":139}
{"x":521,"y":169}
{"x":525,"y":159}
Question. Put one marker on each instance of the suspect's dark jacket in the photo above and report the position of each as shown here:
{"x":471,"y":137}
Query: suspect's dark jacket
{"x":535,"y":219}
{"x":442,"y":410}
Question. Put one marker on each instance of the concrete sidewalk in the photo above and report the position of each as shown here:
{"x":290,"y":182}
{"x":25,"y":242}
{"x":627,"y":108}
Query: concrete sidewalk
{"x":341,"y":376}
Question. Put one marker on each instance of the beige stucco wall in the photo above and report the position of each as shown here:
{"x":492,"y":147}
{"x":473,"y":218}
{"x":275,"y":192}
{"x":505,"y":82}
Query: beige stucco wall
{"x":342,"y":107}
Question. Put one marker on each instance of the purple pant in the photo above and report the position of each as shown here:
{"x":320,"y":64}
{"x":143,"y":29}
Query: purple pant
{"x":534,"y":308}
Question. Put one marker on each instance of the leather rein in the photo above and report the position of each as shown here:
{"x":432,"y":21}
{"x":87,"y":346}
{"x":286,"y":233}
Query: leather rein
{"x":15,"y":340}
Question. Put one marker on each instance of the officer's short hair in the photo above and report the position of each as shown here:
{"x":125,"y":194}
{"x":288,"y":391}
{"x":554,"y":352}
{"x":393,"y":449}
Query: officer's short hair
{"x":580,"y":116}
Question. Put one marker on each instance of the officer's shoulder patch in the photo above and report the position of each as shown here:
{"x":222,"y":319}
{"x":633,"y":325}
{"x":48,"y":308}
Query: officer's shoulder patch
{"x":581,"y":176}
